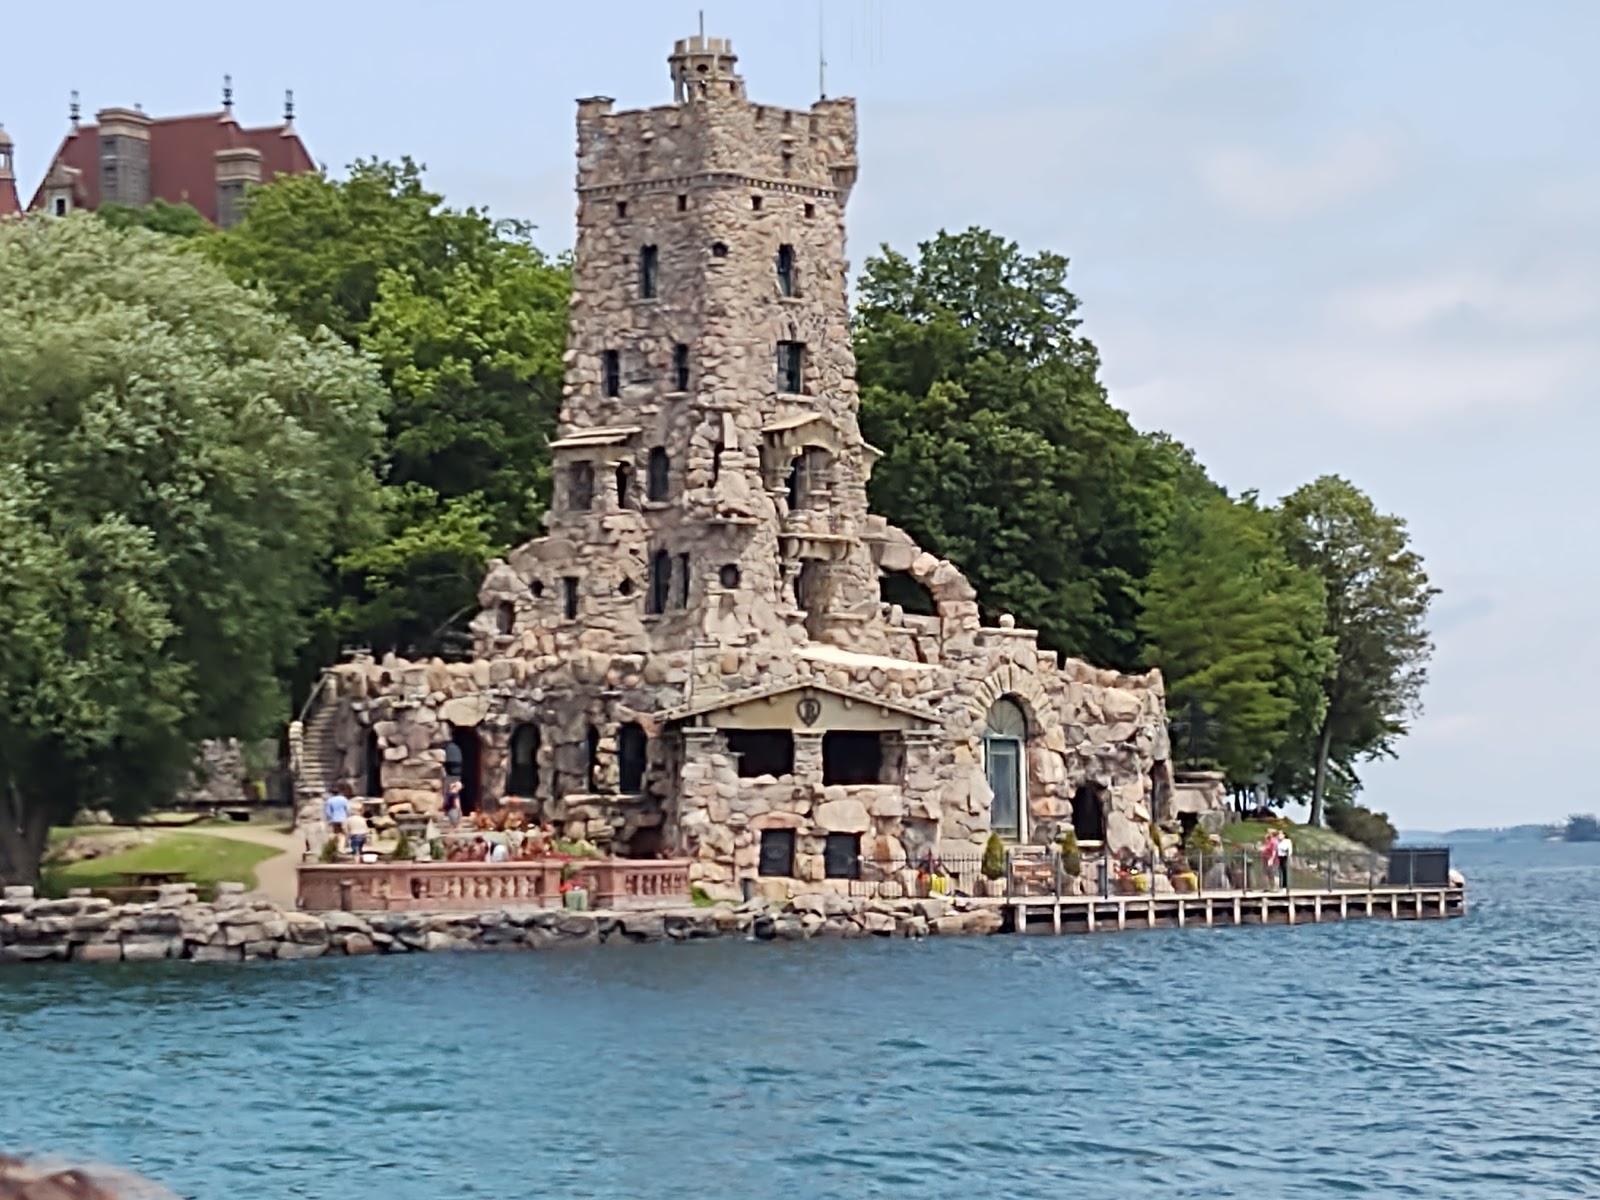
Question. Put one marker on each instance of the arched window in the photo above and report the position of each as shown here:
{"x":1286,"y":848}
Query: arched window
{"x":522,"y":779}
{"x":658,"y":478}
{"x":1005,"y":735}
{"x":631,"y":746}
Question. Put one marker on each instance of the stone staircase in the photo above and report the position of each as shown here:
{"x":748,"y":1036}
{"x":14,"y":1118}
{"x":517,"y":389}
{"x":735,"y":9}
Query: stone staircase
{"x":313,"y":751}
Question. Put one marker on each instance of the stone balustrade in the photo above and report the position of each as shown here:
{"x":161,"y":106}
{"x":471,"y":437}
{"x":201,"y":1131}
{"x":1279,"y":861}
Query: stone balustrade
{"x":612,"y":883}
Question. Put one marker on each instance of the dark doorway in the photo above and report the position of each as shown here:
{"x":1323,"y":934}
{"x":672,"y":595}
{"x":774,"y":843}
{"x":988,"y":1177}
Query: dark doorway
{"x":592,"y":770}
{"x":1089,"y":813}
{"x":523,"y":777}
{"x":631,"y":747}
{"x":902,"y":588}
{"x":374,"y":765}
{"x":851,"y":756}
{"x":463,"y":761}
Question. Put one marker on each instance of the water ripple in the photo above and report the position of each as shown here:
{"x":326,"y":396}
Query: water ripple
{"x":1382,"y":1060}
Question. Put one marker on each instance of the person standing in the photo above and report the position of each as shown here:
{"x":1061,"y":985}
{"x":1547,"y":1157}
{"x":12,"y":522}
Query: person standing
{"x":336,"y":811}
{"x":452,"y":802}
{"x":356,"y":829}
{"x":1269,"y":858}
{"x":1285,"y":853}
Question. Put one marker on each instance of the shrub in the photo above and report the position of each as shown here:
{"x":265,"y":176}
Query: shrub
{"x":1071,"y":856}
{"x":1361,"y":824}
{"x":994,"y":858}
{"x":330,"y":850}
{"x":402,"y":848}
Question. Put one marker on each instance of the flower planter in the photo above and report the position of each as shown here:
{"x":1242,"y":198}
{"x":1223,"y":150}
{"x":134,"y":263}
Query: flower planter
{"x":575,"y":899}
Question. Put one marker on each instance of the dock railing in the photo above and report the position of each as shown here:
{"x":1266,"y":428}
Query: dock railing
{"x":1041,"y":871}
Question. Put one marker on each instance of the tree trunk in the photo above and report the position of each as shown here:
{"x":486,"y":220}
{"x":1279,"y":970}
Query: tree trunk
{"x":1320,"y":783}
{"x":24,"y":830}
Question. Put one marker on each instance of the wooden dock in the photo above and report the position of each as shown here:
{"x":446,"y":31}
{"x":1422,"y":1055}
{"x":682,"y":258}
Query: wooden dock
{"x":1104,"y":914}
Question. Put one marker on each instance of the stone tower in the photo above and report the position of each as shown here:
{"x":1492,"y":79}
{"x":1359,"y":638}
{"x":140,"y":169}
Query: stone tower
{"x":709,"y":457}
{"x":698,"y":657}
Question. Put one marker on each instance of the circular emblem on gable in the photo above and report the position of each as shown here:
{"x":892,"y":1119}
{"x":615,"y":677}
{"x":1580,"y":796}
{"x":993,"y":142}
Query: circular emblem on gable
{"x":808,"y":710}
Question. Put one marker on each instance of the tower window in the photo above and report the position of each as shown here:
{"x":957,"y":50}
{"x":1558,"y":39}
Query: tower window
{"x":632,"y":746}
{"x":728,"y":576}
{"x":624,"y":484}
{"x":660,"y":582}
{"x":505,"y":617}
{"x":719,"y":249}
{"x":622,"y":208}
{"x":683,"y":581}
{"x":683,"y":203}
{"x":788,"y":163}
{"x":786,"y":273}
{"x":569,"y":596}
{"x":755,"y":203}
{"x":791,"y":367}
{"x":611,"y":369}
{"x":580,"y":487}
{"x":658,"y":477}
{"x":680,"y":368}
{"x":811,"y":211}
{"x":648,"y":259}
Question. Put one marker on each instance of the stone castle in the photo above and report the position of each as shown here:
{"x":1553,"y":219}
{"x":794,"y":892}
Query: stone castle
{"x":716,"y":651}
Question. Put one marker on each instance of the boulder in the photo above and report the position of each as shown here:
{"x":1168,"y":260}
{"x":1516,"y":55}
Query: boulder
{"x":842,"y":816}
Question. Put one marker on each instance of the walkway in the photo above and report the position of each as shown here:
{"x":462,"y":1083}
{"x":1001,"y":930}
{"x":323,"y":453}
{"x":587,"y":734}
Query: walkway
{"x":276,"y":878}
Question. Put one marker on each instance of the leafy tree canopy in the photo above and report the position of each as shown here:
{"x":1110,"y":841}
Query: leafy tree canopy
{"x":159,"y":216}
{"x":1002,"y":451}
{"x":175,"y":461}
{"x":466,"y":320}
{"x":1377,"y":600}
{"x":1237,"y":630}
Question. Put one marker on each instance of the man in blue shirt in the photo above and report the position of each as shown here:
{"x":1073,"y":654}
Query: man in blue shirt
{"x":336,"y":811}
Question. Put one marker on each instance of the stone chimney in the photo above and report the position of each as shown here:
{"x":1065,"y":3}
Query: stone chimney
{"x":238,"y":168}
{"x":124,"y":156}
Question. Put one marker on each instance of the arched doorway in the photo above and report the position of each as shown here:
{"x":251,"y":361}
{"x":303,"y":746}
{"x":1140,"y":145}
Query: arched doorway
{"x":462,"y":761}
{"x":1089,"y":813}
{"x":522,"y":778}
{"x":1005,"y":737}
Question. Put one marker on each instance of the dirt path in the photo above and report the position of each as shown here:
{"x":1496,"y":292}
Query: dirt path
{"x":275,"y":877}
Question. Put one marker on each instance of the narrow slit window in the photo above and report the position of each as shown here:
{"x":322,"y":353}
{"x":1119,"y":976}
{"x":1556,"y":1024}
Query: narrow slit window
{"x":622,"y":208}
{"x":683,"y":203}
{"x":655,"y":601}
{"x":611,"y":370}
{"x":680,"y":368}
{"x":569,"y":596}
{"x":658,"y":482}
{"x":791,"y":367}
{"x":683,"y":581}
{"x":648,"y":263}
{"x":624,"y":484}
{"x":787,"y":283}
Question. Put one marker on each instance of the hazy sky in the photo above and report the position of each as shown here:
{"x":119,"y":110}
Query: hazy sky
{"x":1359,"y":238}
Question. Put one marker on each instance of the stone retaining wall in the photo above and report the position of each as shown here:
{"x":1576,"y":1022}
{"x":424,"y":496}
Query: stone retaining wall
{"x":237,"y":927}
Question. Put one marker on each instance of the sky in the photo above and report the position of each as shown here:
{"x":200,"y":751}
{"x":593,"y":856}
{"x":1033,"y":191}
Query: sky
{"x":1360,"y":238}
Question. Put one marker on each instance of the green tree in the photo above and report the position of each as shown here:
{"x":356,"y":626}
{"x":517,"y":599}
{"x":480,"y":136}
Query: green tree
{"x":179,"y":220}
{"x":1377,"y":599}
{"x":1237,"y":630}
{"x":1002,"y":451}
{"x":466,"y":320}
{"x":175,"y":460}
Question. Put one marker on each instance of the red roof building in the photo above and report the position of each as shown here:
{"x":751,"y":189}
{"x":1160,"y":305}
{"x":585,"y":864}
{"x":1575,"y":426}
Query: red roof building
{"x":207,"y":161}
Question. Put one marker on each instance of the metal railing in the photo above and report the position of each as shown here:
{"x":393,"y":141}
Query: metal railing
{"x":1042,"y":871}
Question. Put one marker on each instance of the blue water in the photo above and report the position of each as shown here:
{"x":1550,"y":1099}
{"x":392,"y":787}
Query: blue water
{"x":1453,"y":1059}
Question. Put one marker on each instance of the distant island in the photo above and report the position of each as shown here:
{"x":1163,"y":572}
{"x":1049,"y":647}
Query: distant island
{"x":1580,"y":827}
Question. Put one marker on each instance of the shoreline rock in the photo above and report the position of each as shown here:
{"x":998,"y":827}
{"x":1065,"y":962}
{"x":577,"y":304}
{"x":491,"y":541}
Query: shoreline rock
{"x":238,"y":928}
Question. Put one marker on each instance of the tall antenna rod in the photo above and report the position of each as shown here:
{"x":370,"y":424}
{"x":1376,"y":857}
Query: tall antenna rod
{"x":702,"y":24}
{"x":822,"y":58}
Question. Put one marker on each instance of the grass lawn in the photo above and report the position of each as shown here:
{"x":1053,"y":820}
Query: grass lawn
{"x":1308,"y":839}
{"x":206,"y":860}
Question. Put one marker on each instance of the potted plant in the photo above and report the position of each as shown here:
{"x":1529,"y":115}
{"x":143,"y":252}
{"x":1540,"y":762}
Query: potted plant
{"x":573,"y":894}
{"x":993,"y":867}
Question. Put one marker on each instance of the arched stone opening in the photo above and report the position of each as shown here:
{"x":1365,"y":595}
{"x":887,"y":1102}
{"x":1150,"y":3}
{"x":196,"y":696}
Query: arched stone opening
{"x":906,"y":590}
{"x":1005,"y":738}
{"x":522,"y":774}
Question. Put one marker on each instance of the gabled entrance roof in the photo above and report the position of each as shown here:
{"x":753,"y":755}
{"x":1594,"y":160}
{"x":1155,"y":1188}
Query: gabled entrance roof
{"x":727,"y":700}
